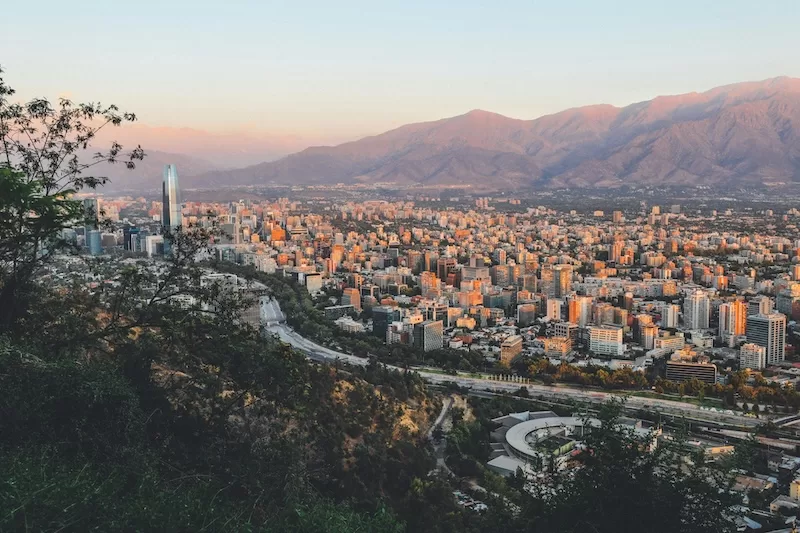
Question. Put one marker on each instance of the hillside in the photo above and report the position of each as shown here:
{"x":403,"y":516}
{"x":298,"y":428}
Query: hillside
{"x":746,"y":132}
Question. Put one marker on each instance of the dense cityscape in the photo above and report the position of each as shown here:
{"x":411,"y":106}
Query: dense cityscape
{"x":517,"y":267}
{"x":666,"y":305}
{"x":618,"y":290}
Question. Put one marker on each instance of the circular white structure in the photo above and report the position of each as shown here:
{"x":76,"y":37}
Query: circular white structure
{"x":521,"y":438}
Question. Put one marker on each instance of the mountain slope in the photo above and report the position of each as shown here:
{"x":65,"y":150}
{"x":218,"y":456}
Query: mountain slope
{"x":746,"y":132}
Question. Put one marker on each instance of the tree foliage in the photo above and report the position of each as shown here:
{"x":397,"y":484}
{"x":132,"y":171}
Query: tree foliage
{"x":44,"y":161}
{"x":624,"y":483}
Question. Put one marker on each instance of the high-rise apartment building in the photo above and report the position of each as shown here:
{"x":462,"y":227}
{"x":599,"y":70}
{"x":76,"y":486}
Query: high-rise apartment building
{"x":615,"y":251}
{"x":554,"y":309}
{"x":444,"y":266}
{"x":428,"y":281}
{"x":669,"y":315}
{"x":602,"y":313}
{"x":352,"y":296}
{"x":527,"y":282}
{"x":768,"y":331}
{"x":696,"y":310}
{"x":788,"y":301}
{"x":526,"y":315}
{"x":649,"y":334}
{"x":547,"y":281}
{"x":795,"y":272}
{"x":562,"y":278}
{"x":732,"y":321}
{"x":580,"y":310}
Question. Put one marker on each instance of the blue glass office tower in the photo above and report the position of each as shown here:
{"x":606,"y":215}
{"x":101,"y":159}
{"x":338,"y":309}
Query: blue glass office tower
{"x":94,"y":242}
{"x":170,"y":199}
{"x":170,"y":205}
{"x":130,"y":239}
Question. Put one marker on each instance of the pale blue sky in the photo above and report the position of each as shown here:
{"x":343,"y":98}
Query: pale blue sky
{"x":338,"y":69}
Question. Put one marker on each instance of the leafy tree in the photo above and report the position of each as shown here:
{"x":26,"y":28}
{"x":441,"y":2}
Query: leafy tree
{"x":623,"y":484}
{"x":43,"y":162}
{"x":30,"y":222}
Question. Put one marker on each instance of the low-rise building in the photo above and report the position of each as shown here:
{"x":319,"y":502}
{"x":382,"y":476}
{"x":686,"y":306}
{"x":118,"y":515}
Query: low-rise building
{"x":510,"y":348}
{"x":557,"y":347}
{"x":349,"y":325}
{"x":752,"y":356}
{"x":680,"y":371}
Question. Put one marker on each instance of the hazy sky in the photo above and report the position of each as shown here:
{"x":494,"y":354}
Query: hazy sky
{"x":339,"y":69}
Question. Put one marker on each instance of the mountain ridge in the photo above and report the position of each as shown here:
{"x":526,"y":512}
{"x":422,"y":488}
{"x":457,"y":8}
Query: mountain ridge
{"x":738,"y":133}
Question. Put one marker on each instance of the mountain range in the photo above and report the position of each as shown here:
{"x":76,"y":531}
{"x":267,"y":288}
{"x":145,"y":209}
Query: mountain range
{"x":745,"y":133}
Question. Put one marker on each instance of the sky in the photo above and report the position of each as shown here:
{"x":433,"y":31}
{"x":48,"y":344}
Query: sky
{"x":337,"y":70}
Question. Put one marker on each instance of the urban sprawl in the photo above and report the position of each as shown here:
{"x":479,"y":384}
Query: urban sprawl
{"x":686,"y":305}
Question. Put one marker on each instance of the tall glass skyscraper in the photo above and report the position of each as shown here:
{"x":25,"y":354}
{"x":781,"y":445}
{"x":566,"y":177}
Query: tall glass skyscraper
{"x":170,"y":199}
{"x":94,"y":242}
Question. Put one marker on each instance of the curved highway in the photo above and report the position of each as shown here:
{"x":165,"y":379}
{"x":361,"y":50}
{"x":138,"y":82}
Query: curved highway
{"x":274,"y":321}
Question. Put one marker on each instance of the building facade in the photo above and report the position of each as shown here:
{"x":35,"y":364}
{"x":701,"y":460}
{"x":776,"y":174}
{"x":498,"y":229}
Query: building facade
{"x":381,"y":318}
{"x":732,"y":321}
{"x":171,"y":217}
{"x":429,"y":335}
{"x":696,"y":310}
{"x":752,"y":356}
{"x":680,"y":371}
{"x":510,"y":348}
{"x":768,"y":331}
{"x":606,"y":340}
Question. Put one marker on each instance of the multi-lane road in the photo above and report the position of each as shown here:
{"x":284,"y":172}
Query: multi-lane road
{"x":274,"y":321}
